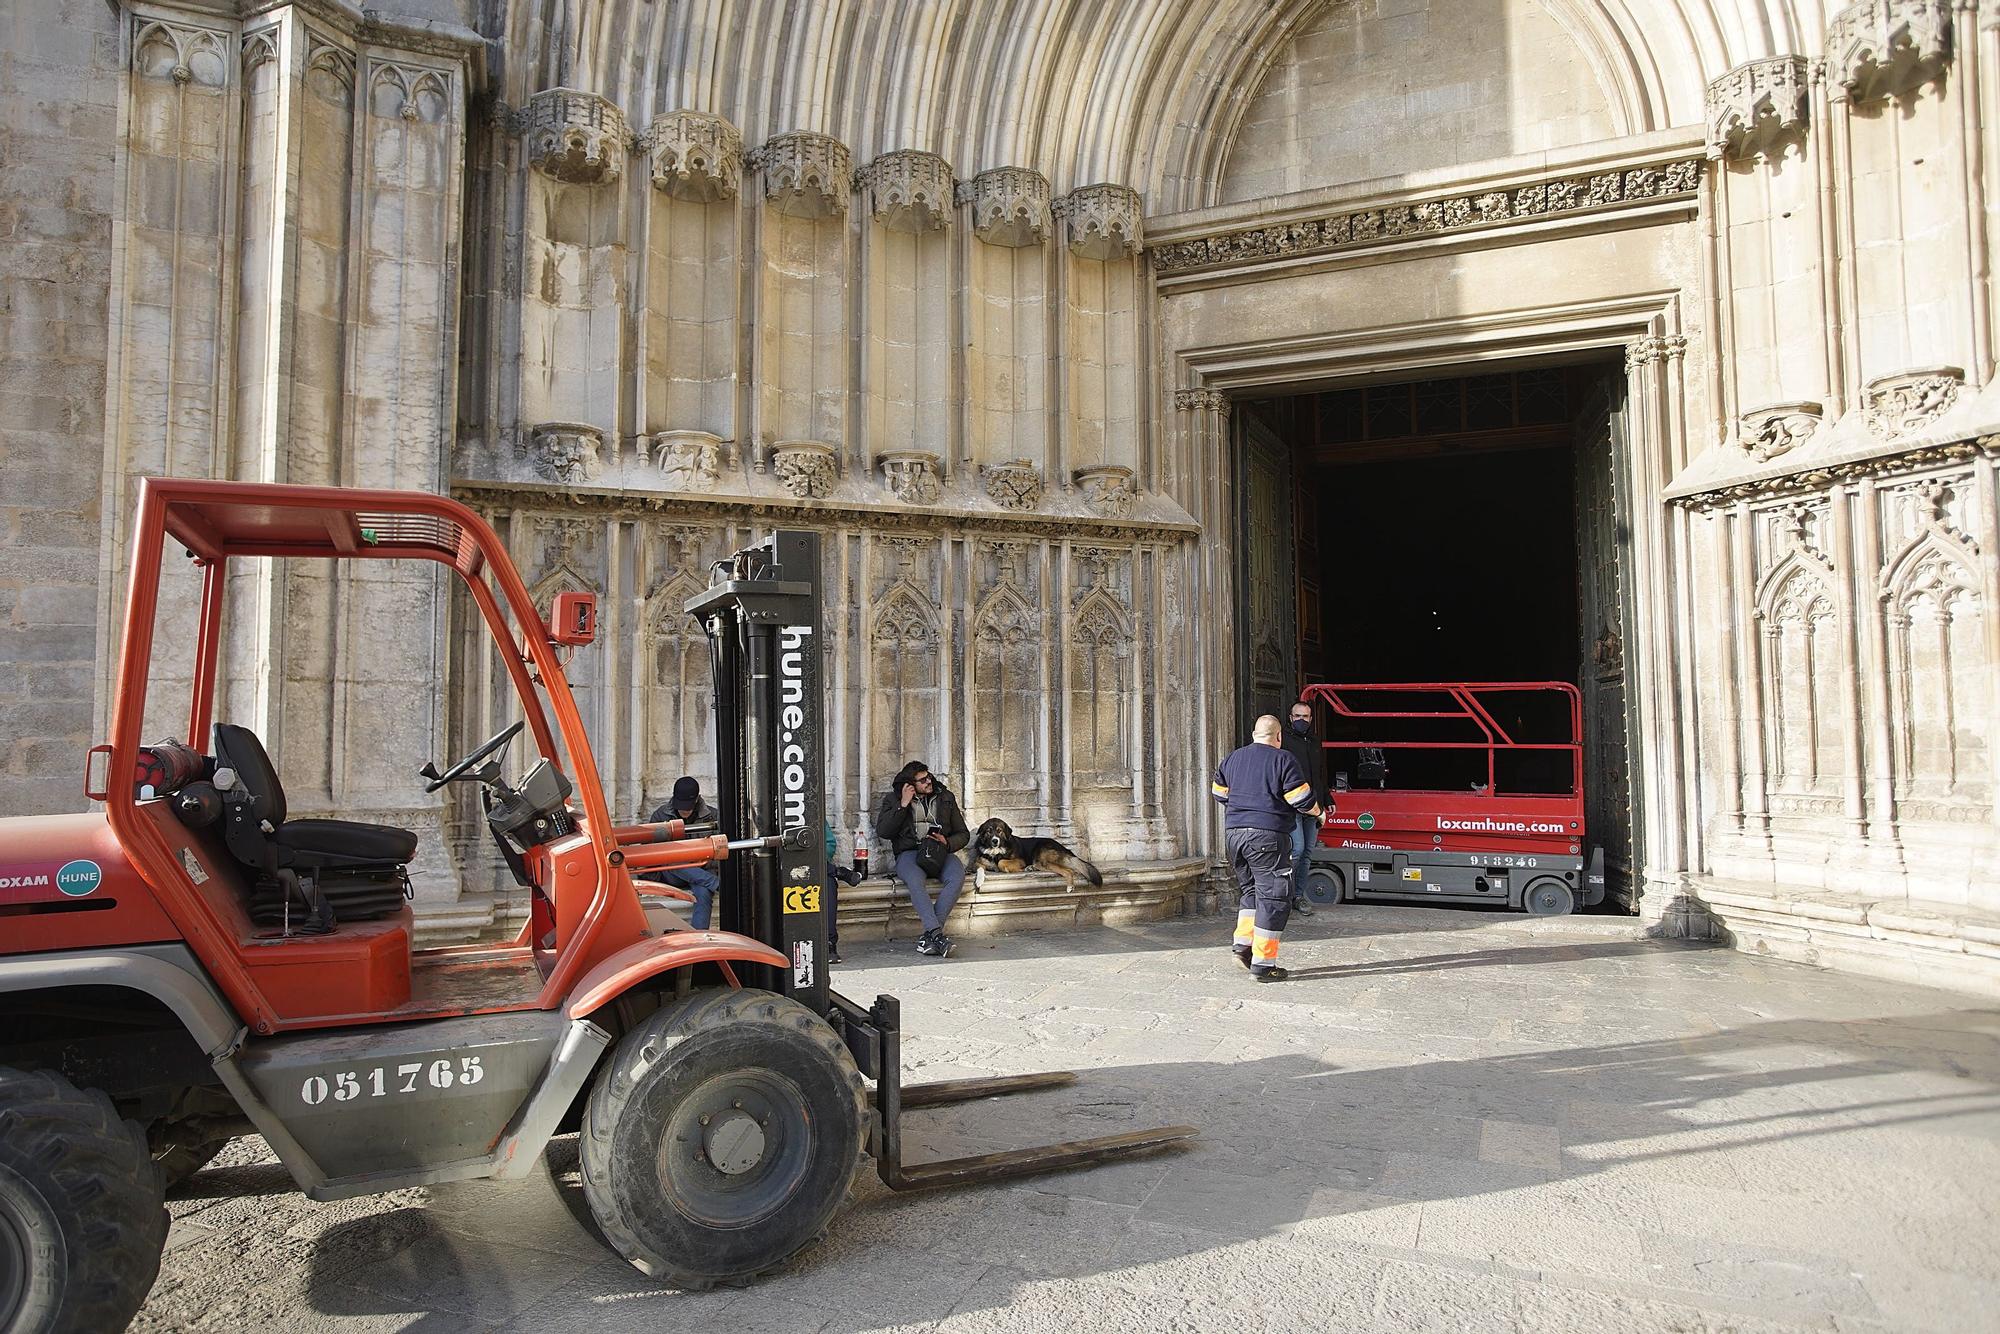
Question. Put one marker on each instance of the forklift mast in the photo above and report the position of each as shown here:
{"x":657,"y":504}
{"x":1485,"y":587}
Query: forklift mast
{"x":761,"y":612}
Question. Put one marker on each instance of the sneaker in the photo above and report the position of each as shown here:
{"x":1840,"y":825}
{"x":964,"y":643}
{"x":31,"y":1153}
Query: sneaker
{"x":945,"y":945}
{"x":1242,"y":955}
{"x":833,"y":953}
{"x":1271,"y":974}
{"x":927,"y":944}
{"x":1301,"y":907}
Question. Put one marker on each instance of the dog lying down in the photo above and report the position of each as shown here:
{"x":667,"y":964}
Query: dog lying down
{"x":997,"y":848}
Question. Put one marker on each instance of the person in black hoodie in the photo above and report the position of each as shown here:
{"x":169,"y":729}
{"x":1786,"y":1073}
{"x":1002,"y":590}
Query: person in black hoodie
{"x":1304,"y":747}
{"x":701,"y":881}
{"x":925,"y":828}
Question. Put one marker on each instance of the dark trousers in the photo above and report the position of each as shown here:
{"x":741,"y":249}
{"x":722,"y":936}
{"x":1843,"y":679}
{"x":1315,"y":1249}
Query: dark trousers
{"x":1261,"y":859}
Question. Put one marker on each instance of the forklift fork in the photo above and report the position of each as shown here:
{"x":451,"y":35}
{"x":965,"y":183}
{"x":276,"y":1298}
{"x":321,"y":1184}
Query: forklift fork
{"x":875,"y":1037}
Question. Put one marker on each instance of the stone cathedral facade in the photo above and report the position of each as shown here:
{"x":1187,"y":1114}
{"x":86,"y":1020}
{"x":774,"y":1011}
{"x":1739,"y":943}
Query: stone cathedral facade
{"x":980,"y":289}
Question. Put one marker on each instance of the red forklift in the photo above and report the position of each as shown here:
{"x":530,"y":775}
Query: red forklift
{"x":188,"y":962}
{"x":1461,"y":792}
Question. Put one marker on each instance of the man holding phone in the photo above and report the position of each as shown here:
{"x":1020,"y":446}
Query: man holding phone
{"x":925,"y":828}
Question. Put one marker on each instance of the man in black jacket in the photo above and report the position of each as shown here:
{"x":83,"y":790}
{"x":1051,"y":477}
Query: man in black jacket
{"x":925,"y":829}
{"x":1303,"y":746}
{"x":700,"y":881}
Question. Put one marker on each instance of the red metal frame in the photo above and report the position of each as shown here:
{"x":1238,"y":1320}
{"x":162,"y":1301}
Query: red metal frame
{"x":217,"y":520}
{"x":1492,"y":819}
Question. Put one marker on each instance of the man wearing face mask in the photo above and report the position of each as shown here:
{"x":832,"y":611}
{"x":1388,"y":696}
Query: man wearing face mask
{"x":1304,"y":747}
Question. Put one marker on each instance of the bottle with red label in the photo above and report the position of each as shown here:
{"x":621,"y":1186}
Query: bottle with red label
{"x":860,"y":852}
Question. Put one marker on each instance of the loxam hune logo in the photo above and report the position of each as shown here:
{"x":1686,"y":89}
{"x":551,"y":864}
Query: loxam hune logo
{"x":79,"y":878}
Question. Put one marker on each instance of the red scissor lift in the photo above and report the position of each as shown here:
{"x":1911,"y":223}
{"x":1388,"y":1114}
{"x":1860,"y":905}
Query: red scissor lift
{"x":1517,"y":837}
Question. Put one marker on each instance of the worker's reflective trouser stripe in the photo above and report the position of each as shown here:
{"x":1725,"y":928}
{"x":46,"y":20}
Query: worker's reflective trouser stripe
{"x":1261,"y":860}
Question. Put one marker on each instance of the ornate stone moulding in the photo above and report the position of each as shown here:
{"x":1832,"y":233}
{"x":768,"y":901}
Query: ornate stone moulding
{"x":1014,"y":485}
{"x":1907,"y":402}
{"x":1101,"y":221}
{"x":1108,"y":489}
{"x":574,"y":137}
{"x":1010,"y":206}
{"x":1887,"y":48}
{"x":913,"y":475}
{"x":908,"y":190}
{"x":806,"y":468}
{"x":1820,"y":479}
{"x":566,"y":451}
{"x":1756,"y":107}
{"x":696,"y":156}
{"x":688,"y":460}
{"x":1201,"y":400}
{"x":1778,"y":428}
{"x":805,"y":174}
{"x":1391,"y":222}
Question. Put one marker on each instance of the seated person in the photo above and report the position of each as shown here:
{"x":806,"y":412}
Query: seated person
{"x":700,"y":881}
{"x":925,"y":828}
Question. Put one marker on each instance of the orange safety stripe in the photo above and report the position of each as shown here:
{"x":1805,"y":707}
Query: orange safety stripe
{"x":1220,"y":790}
{"x":1302,"y":790}
{"x":1265,"y":948}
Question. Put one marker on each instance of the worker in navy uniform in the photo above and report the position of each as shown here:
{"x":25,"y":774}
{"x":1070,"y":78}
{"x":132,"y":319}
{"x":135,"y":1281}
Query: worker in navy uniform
{"x":700,"y":881}
{"x":1263,"y":791}
{"x":1303,"y":746}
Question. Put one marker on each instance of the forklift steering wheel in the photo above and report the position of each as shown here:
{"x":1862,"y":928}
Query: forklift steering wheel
{"x":459,"y":770}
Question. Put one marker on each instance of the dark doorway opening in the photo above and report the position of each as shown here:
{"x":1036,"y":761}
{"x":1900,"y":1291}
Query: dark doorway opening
{"x":1459,"y":527}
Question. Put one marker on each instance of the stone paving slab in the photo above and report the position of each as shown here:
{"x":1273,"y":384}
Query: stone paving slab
{"x":1446,"y":1120}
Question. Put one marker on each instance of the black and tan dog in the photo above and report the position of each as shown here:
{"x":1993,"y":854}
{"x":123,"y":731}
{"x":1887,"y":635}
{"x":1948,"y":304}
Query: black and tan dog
{"x":996,"y":848}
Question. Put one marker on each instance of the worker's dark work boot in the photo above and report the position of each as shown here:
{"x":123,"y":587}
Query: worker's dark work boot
{"x":1242,"y":953}
{"x":1302,"y":907}
{"x":1271,"y":974}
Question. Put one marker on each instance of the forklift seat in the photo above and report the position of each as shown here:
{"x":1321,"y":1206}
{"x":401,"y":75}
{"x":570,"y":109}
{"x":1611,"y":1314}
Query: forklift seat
{"x":313,"y":847}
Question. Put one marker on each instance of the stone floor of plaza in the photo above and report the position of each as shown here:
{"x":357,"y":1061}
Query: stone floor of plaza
{"x":1445,"y":1120}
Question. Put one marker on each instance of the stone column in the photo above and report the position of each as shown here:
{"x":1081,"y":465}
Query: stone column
{"x":1204,"y":418}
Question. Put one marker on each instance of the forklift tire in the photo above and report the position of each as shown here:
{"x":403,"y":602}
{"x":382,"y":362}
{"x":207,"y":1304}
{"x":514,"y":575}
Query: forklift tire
{"x":1548,"y":897}
{"x":722,"y":1135}
{"x":81,"y":1222}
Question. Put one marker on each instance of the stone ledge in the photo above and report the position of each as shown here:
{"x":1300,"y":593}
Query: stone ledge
{"x":1931,"y":944}
{"x":1134,"y":892}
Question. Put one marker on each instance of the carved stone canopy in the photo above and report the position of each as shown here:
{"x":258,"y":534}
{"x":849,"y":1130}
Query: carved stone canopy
{"x":912,"y":476}
{"x":806,"y":468}
{"x":1887,"y":48}
{"x":1778,"y":428}
{"x":908,"y":190}
{"x":566,"y":451}
{"x":696,"y":156}
{"x":688,"y":460}
{"x":1756,"y":107}
{"x":1108,"y":489}
{"x":574,"y":137}
{"x":1010,"y":206}
{"x":1907,"y":402}
{"x":1015,"y":485}
{"x":805,"y":174}
{"x":1102,"y":221}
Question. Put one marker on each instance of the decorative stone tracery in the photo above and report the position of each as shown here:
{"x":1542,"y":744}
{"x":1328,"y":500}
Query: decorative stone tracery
{"x":805,"y":174}
{"x":696,"y":156}
{"x":1010,"y":206}
{"x":1015,"y":485}
{"x":806,"y":468}
{"x":1101,"y":221}
{"x":908,"y":190}
{"x":574,"y":137}
{"x":1905,"y":403}
{"x":1887,"y":48}
{"x":1756,"y":107}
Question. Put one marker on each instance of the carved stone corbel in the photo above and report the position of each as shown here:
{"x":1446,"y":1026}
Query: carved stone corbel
{"x":1108,"y":489}
{"x":806,"y":468}
{"x":1010,"y":206}
{"x":1101,"y":221}
{"x":1887,"y":48}
{"x":908,"y":190}
{"x":566,"y":451}
{"x":1201,"y":400}
{"x":1778,"y":428}
{"x":696,"y":156}
{"x":805,"y":174}
{"x":912,"y":476}
{"x":1907,"y":402}
{"x":1758,"y":107}
{"x":1014,"y":485}
{"x":574,"y":137}
{"x":688,"y":460}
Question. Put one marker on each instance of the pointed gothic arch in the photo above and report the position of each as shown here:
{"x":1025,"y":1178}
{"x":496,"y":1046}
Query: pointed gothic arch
{"x":1939,"y":692}
{"x":1100,"y":691}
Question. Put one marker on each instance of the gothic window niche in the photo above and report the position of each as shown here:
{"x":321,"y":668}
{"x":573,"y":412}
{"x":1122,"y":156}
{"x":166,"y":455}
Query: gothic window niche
{"x":1802,"y":662}
{"x":573,"y":275}
{"x":1008,"y":681}
{"x":1101,"y":341}
{"x":802,"y":299}
{"x":691,"y":293}
{"x":1007,"y":360}
{"x":905,"y":660}
{"x":907,"y":257}
{"x":1100,"y":660}
{"x":676,"y":730}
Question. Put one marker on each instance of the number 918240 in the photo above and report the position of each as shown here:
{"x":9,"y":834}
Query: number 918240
{"x":385,"y":1081}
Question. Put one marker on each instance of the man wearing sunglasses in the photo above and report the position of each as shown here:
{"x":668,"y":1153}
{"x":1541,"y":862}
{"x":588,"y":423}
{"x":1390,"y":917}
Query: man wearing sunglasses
{"x":925,"y":828}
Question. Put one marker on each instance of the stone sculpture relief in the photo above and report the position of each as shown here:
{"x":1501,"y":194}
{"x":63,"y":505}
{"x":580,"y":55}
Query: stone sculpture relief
{"x":566,"y":451}
{"x":1898,"y":405}
{"x":1778,"y":429}
{"x":1010,"y":206}
{"x":1757,"y":106}
{"x":1101,"y":221}
{"x":574,"y":137}
{"x":1015,"y":485}
{"x":1371,"y":225}
{"x":806,"y":468}
{"x":688,"y":460}
{"x":1108,"y":489}
{"x":1887,"y":48}
{"x":696,"y":156}
{"x":908,"y":190}
{"x":805,"y":174}
{"x":912,"y":476}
